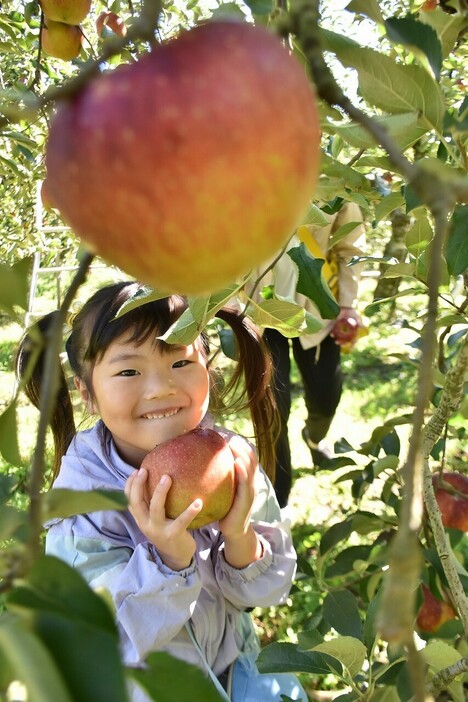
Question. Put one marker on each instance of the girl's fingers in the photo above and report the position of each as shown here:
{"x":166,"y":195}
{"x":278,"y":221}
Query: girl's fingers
{"x":129,"y":483}
{"x":158,"y":501}
{"x":183,"y":520}
{"x":137,"y":487}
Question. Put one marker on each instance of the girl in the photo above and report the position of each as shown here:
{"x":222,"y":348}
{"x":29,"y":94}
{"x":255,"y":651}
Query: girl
{"x":174,"y":590}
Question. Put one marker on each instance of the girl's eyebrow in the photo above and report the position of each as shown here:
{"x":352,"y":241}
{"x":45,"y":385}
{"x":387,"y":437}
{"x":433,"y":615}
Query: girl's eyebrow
{"x":120,"y":357}
{"x":132,"y":355}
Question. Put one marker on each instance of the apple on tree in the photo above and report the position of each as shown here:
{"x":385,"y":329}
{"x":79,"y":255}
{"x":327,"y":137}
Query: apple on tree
{"x":451,"y":493}
{"x":61,"y":40}
{"x":433,"y":612}
{"x":112,"y":21}
{"x":67,"y":11}
{"x":194,"y":164}
{"x":201,"y":465}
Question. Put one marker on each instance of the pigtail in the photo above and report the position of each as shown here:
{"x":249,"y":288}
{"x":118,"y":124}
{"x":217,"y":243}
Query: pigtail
{"x":29,"y":370}
{"x":255,"y":368}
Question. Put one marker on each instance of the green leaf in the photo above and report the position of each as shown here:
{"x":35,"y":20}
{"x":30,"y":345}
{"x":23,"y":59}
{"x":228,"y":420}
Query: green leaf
{"x":439,"y":655}
{"x":389,"y":86}
{"x":385,"y":694}
{"x":315,"y":216}
{"x":77,"y":626}
{"x":312,"y":283}
{"x":184,"y":330}
{"x":14,"y":285}
{"x":55,"y":587}
{"x":31,"y":662}
{"x":336,"y":533}
{"x":385,"y":463}
{"x":369,"y":8}
{"x":7,"y":483}
{"x":403,"y":128}
{"x":204,"y":308}
{"x":309,"y":639}
{"x":374,"y":306}
{"x":260,"y":7}
{"x":456,"y":250}
{"x":288,"y":658}
{"x":349,"y":651}
{"x":342,"y":232}
{"x":370,"y":628}
{"x":285,"y":316}
{"x":340,"y":610}
{"x":419,"y":236}
{"x":422,"y":267}
{"x":61,"y":502}
{"x":447,"y":27}
{"x":11,"y":519}
{"x":387,"y":205}
{"x":399,"y":269}
{"x":200,"y":312}
{"x":419,"y":37}
{"x":167,"y":679}
{"x":141,"y":297}
{"x":9,"y":447}
{"x":228,"y":343}
{"x":87,"y":656}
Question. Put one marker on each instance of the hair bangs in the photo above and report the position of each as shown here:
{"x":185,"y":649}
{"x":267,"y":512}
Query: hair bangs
{"x":151,"y":319}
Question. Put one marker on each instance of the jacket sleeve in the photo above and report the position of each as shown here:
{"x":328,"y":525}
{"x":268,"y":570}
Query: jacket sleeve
{"x":350,"y":246}
{"x":264,"y":582}
{"x":268,"y":580}
{"x":152,"y":602}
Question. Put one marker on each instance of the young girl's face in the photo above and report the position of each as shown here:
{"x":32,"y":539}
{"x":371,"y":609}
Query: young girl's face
{"x":145,"y":396}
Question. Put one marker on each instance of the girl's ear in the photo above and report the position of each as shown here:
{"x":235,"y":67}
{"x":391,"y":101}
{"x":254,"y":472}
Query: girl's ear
{"x":80,"y":385}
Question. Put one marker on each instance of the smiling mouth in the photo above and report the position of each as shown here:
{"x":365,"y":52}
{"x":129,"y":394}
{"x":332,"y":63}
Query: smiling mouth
{"x":161,"y":415}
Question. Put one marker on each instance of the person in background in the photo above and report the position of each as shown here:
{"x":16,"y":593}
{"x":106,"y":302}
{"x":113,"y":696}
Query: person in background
{"x":317,"y":355}
{"x":177,"y":590}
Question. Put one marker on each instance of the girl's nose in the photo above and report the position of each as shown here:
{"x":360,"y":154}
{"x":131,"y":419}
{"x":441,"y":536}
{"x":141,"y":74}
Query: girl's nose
{"x":159,"y":385}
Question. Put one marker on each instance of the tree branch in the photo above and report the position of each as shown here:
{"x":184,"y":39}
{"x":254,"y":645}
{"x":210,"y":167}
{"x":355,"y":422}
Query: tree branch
{"x":48,"y":394}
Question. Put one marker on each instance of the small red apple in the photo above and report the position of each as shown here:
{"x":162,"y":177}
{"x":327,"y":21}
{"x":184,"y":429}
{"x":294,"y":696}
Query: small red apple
{"x":429,"y":5}
{"x":113,"y":21}
{"x":67,"y":11}
{"x":433,"y":612}
{"x":194,"y":164}
{"x":345,"y":330}
{"x":201,"y":465}
{"x":61,"y":40}
{"x":452,"y":499}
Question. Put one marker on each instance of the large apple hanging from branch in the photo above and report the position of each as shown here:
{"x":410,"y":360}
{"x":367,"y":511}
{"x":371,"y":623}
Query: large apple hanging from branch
{"x":192,"y":165}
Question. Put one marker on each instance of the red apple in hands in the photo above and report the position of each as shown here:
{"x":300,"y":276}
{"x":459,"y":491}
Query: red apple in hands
{"x":201,"y":465}
{"x":67,"y":11}
{"x":62,"y":41}
{"x":452,"y":499}
{"x":194,"y":164}
{"x":345,"y":330}
{"x":433,"y":612}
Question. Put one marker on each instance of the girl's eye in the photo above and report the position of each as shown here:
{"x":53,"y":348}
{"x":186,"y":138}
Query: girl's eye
{"x":128,"y":373}
{"x":181,"y":364}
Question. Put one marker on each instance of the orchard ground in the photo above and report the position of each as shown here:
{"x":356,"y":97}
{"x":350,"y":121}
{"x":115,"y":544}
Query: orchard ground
{"x":380,"y":382}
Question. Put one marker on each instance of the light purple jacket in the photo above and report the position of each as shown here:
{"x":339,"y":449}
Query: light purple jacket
{"x":153,"y":603}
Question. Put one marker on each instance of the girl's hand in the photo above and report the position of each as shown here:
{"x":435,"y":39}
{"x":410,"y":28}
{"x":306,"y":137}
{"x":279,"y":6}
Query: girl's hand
{"x":241,"y":545}
{"x":171,"y":538}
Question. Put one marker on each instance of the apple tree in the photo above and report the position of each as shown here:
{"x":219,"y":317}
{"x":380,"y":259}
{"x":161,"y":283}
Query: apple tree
{"x":407,"y":127}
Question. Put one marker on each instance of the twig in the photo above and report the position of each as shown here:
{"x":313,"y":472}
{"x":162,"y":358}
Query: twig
{"x":49,"y":387}
{"x":450,"y":400}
